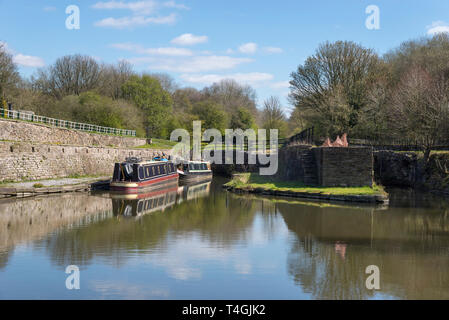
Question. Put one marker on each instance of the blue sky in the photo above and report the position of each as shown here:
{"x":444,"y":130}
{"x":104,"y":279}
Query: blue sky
{"x":201,"y":41}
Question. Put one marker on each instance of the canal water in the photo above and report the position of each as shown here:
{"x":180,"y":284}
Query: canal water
{"x":201,"y":242}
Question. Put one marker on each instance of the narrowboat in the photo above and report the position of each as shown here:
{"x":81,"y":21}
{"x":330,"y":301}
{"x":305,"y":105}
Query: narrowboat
{"x":135,"y":175}
{"x":194,"y":171}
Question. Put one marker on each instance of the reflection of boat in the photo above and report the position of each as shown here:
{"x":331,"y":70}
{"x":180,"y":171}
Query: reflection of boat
{"x":193,"y":191}
{"x":135,"y":174}
{"x":138,"y":204}
{"x":194,"y":171}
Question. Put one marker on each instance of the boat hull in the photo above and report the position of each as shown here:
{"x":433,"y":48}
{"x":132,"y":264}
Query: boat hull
{"x":142,"y":186}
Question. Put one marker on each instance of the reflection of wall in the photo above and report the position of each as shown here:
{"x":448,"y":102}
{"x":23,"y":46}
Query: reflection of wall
{"x":334,"y":246}
{"x":30,"y":219}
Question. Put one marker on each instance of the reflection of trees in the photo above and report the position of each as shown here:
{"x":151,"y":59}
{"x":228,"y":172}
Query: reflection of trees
{"x":220,"y":218}
{"x":409,"y":246}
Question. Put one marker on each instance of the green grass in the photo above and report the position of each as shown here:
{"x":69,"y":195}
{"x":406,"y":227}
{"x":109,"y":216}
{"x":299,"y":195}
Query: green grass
{"x":38,"y":185}
{"x":159,"y":144}
{"x":253,"y":181}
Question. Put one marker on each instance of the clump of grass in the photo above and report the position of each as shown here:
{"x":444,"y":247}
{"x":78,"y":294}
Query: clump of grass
{"x":253,"y":181}
{"x":38,"y":185}
{"x":159,"y":144}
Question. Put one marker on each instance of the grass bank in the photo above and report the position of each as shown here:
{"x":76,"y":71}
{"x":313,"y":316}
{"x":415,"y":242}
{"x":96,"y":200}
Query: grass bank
{"x":253,"y":183}
{"x":159,"y":144}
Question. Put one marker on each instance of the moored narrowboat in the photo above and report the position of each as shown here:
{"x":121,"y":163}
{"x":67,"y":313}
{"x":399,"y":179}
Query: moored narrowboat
{"x":135,"y":175}
{"x":190,"y":171}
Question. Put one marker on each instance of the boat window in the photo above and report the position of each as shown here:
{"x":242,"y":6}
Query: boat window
{"x":162,"y":169}
{"x":197,"y":166}
{"x":156,"y":170}
{"x":191,"y":166}
{"x":141,"y":173}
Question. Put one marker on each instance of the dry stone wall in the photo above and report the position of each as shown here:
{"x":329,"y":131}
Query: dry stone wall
{"x":14,"y":130}
{"x":26,"y":161}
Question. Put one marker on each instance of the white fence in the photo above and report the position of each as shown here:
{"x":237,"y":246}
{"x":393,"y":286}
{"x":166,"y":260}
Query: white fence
{"x":28,"y":116}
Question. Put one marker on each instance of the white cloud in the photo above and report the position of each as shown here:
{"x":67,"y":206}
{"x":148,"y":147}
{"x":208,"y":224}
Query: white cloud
{"x":273,"y":50}
{"x":143,"y":13}
{"x":249,"y":78}
{"x":199,"y":64}
{"x":437,"y":27}
{"x":166,"y":51}
{"x":188,"y":39}
{"x":135,"y":21}
{"x":49,"y":8}
{"x":141,"y":7}
{"x":281,"y":85}
{"x":21,"y":59}
{"x":28,"y":61}
{"x":172,"y":4}
{"x":248,"y":48}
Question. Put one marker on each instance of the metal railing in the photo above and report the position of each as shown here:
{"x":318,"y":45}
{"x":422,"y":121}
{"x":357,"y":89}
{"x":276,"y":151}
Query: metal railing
{"x":304,"y":137}
{"x":28,"y":116}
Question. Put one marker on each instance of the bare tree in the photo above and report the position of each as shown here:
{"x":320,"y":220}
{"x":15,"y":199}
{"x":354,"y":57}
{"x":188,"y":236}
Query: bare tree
{"x":232,"y":96}
{"x":167,"y":82}
{"x":9,"y":76}
{"x":273,"y":116}
{"x":113,"y":77}
{"x":420,"y":109}
{"x":69,"y":75}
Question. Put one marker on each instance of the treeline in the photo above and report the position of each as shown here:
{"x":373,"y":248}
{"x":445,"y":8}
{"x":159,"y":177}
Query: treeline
{"x":78,"y":88}
{"x":402,"y":95}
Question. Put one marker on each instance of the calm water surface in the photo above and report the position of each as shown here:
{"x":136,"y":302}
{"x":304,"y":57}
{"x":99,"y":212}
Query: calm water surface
{"x":200,"y":242}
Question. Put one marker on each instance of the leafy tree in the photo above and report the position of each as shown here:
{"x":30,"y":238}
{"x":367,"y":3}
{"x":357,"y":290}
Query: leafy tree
{"x":211,"y":115}
{"x":242,"y":119}
{"x":341,"y":67}
{"x":148,"y":95}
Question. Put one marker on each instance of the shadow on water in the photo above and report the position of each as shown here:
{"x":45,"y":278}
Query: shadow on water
{"x":322,"y":248}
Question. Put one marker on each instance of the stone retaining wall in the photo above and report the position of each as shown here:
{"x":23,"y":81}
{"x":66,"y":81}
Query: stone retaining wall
{"x":26,"y":161}
{"x":14,"y":130}
{"x":344,"y":167}
{"x":330,"y":167}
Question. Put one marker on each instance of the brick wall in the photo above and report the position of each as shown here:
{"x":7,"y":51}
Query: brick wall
{"x":27,"y":161}
{"x":14,"y":130}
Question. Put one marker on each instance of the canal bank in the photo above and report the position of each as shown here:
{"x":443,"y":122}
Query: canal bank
{"x":53,"y":186}
{"x":253,"y":183}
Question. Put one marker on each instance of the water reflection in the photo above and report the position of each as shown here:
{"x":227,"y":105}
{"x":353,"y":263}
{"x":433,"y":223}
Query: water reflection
{"x":199,"y":241}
